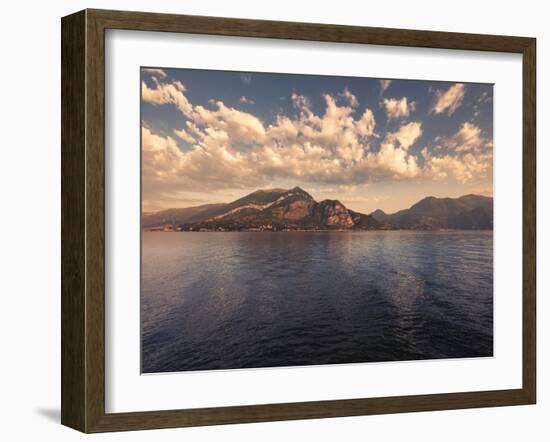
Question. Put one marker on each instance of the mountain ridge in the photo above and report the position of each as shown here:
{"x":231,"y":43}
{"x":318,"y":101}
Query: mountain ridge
{"x":296,"y":209}
{"x":470,"y":212}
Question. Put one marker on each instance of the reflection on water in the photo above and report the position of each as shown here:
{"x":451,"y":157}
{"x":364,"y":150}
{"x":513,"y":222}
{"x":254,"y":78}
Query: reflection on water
{"x":260,"y":299}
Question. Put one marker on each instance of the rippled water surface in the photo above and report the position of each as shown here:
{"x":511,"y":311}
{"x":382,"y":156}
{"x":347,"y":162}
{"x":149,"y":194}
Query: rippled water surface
{"x":260,"y":299}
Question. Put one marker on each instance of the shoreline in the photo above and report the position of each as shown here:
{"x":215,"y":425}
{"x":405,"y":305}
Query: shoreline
{"x":313,"y":230}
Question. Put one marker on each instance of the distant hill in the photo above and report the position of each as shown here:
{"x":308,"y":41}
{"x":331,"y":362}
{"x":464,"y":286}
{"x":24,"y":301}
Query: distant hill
{"x":466,"y":212}
{"x":295,"y":209}
{"x":179,"y":216}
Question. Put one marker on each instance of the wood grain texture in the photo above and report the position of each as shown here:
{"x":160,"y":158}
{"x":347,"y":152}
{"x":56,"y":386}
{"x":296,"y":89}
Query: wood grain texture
{"x":95,"y":221}
{"x":529,"y":220}
{"x":83,"y":220}
{"x":144,"y":21}
{"x":308,"y":410}
{"x":73,"y":255}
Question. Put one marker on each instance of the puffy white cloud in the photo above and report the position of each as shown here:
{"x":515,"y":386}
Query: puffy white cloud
{"x":166,"y":93}
{"x":241,"y":127}
{"x":464,"y":168}
{"x":365,"y":125}
{"x":161,"y":157}
{"x":384,"y":85}
{"x":158,"y":72}
{"x":407,"y":134}
{"x":335,"y":127}
{"x":469,"y":156}
{"x":233,"y":149}
{"x":468,"y":138}
{"x":283,"y":129}
{"x":398,"y":108}
{"x":391,"y":162}
{"x":448,"y":101}
{"x":192,"y":128}
{"x":211,"y":165}
{"x":337,"y":130}
{"x":325,"y":148}
{"x":351,"y":99}
{"x":184,"y":135}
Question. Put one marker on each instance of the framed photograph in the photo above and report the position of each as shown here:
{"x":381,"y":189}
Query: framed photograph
{"x":267,"y":221}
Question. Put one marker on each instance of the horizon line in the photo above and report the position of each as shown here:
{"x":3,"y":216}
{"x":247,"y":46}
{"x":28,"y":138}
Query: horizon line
{"x":325,"y":199}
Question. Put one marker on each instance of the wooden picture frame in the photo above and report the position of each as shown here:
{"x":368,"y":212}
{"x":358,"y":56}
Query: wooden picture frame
{"x":83,"y":220}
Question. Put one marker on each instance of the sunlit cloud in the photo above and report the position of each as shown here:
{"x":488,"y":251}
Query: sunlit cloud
{"x":156,"y":72}
{"x":349,"y":97}
{"x":300,"y":101}
{"x":407,"y":135}
{"x":450,"y":100}
{"x":184,"y":135}
{"x":398,"y":108}
{"x":166,"y":93}
{"x":468,"y":138}
{"x":464,"y":168}
{"x":384,"y":85}
{"x":338,"y":145}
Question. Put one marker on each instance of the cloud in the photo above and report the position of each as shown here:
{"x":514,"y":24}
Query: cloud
{"x":384,"y":85}
{"x":393,"y":161}
{"x":300,"y":101}
{"x":158,"y":72}
{"x":211,"y":165}
{"x":349,"y":97}
{"x":166,"y":93}
{"x":396,"y":108}
{"x":463,"y":168}
{"x":468,"y":138}
{"x":182,"y":134}
{"x":246,"y":100}
{"x":246,"y":78}
{"x":241,"y":127}
{"x":484,"y":98}
{"x":320,"y":148}
{"x":365,"y":125}
{"x":233,"y":149}
{"x":336,"y":130}
{"x":450,"y":100}
{"x":407,"y":135}
{"x":469,"y":157}
{"x":283,"y":129}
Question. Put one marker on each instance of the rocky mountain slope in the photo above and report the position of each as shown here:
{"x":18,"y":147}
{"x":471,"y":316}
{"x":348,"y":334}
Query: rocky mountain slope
{"x":295,"y":209}
{"x":272,"y":209}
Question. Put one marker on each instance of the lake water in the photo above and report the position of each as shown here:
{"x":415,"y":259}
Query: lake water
{"x":260,"y":299}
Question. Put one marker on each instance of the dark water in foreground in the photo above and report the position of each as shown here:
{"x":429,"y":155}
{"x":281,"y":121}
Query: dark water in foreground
{"x":260,"y":299}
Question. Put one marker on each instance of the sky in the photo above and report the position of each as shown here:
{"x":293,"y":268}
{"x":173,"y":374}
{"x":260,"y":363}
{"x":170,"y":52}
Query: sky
{"x":215,"y":136}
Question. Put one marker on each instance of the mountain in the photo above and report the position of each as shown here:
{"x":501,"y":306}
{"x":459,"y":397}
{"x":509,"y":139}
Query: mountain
{"x":295,"y":209}
{"x":272,"y":209}
{"x":368,"y":222}
{"x":466,"y":212}
{"x":180,"y":216}
{"x":380,"y":215}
